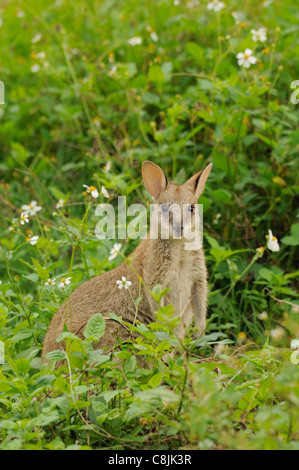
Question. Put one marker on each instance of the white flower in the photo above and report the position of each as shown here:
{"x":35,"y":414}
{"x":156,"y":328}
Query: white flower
{"x":277,"y":333}
{"x":295,"y":344}
{"x":104,"y":192}
{"x":96,"y":122}
{"x":114,"y":251}
{"x":112,"y":71}
{"x":41,"y":55}
{"x":0,"y":282}
{"x":134,"y":41}
{"x":216,"y":218}
{"x":154,"y":36}
{"x":176,"y":2}
{"x":246,"y":58}
{"x":20,"y":14}
{"x":91,"y":190}
{"x":272,"y":244}
{"x":60,"y":204}
{"x":193,"y":4}
{"x":36,"y":38}
{"x":263,"y":316}
{"x":219,"y":349}
{"x":153,"y":33}
{"x":107,"y":167}
{"x":259,"y":34}
{"x":31,"y":208}
{"x":295,"y":309}
{"x":1,"y":21}
{"x":24,"y":218}
{"x":238,"y":16}
{"x":50,"y":282}
{"x":64,"y":282}
{"x":32,"y":240}
{"x":215,"y":5}
{"x":35,"y":68}
{"x":123,"y":283}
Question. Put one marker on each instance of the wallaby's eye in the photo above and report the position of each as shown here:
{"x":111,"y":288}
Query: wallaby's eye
{"x":164,"y":208}
{"x":191,"y":209}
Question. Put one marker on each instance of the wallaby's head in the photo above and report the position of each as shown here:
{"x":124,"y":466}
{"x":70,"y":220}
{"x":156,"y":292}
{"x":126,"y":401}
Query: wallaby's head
{"x":176,"y":204}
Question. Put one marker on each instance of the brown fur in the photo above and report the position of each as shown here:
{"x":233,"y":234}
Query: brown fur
{"x":164,"y":262}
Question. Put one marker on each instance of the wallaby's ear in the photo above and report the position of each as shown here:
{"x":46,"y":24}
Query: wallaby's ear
{"x":154,"y":179}
{"x":198,"y":181}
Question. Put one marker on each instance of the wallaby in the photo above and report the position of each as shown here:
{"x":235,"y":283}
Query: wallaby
{"x":154,"y":261}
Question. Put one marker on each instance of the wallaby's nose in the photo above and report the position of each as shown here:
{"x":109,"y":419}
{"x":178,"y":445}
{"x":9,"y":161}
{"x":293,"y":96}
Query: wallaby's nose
{"x":178,"y":229}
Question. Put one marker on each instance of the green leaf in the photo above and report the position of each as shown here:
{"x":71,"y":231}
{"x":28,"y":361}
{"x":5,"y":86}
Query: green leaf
{"x":95,"y":327}
{"x":7,"y":424}
{"x":56,"y":355}
{"x":167,"y":70}
{"x":150,"y":98}
{"x":293,"y":239}
{"x":22,"y":366}
{"x":160,"y":393}
{"x":206,"y":116}
{"x":156,"y":75}
{"x":221,"y":161}
{"x":196,"y":51}
{"x":109,"y":394}
{"x":222,"y":195}
{"x":67,"y":335}
{"x":136,"y":409}
{"x":157,"y":293}
{"x":155,"y":380}
{"x":42,"y":272}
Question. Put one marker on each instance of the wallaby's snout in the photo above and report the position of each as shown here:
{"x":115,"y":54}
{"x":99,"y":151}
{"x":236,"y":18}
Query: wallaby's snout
{"x":172,"y":220}
{"x":178,"y":229}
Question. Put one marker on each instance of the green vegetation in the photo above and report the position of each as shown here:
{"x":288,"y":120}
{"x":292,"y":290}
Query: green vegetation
{"x":85,"y":104}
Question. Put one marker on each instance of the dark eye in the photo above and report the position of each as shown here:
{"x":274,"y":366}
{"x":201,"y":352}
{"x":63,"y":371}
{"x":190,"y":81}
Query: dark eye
{"x":164,"y":208}
{"x":191,"y":209}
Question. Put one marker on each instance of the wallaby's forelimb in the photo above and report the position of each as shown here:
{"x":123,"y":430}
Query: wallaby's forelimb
{"x":199,"y":304}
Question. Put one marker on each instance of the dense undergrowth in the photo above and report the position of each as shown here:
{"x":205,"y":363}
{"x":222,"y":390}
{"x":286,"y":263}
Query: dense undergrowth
{"x":92,"y":89}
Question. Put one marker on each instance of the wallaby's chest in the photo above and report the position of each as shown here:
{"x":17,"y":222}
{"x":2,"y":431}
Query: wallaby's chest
{"x":179,"y":278}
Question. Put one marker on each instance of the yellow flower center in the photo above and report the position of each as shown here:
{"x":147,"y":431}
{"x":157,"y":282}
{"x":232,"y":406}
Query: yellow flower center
{"x":246,"y":56}
{"x":62,"y":280}
{"x":92,"y":188}
{"x":242,"y":335}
